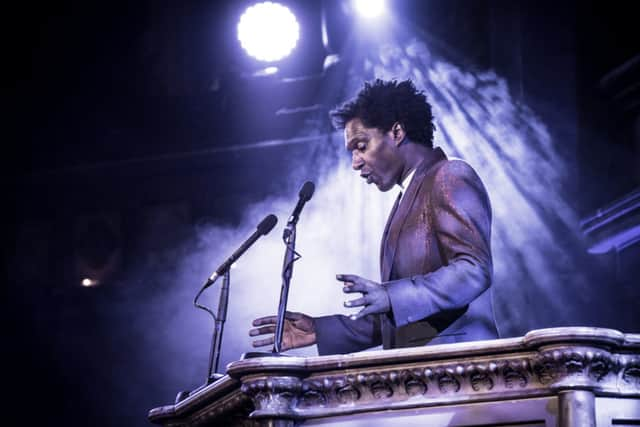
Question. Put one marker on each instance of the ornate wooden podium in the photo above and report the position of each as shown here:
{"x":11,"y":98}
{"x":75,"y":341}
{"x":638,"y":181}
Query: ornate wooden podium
{"x":576,"y":377}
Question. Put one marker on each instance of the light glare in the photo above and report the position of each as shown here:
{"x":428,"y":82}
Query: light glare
{"x":369,"y":8}
{"x":87,"y":283}
{"x":268,"y":31}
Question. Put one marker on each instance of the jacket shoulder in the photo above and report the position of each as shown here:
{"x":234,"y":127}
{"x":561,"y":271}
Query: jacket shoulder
{"x":455,"y":176}
{"x":454,"y":168}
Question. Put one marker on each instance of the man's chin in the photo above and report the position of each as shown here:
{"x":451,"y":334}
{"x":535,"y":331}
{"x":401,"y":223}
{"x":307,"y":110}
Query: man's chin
{"x":384,"y":187}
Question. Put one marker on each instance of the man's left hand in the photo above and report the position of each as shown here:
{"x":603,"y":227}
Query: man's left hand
{"x":375,"y":298}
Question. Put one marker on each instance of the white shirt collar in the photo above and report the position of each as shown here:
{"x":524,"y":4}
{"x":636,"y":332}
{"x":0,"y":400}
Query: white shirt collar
{"x":407,"y":180}
{"x":405,"y":183}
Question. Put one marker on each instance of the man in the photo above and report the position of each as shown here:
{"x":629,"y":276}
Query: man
{"x":435,"y":255}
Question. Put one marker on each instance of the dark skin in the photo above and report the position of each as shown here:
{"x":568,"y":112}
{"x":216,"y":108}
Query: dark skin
{"x":299,"y":330}
{"x":381,"y":158}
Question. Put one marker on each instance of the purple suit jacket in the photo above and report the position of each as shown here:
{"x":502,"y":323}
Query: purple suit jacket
{"x":435,"y":262}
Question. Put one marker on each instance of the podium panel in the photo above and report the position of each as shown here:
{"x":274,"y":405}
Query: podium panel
{"x":576,"y":377}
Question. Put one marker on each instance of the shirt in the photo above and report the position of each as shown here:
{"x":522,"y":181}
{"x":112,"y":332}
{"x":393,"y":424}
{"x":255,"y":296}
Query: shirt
{"x":405,"y":183}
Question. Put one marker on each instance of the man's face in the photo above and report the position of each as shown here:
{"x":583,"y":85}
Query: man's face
{"x":374,"y":154}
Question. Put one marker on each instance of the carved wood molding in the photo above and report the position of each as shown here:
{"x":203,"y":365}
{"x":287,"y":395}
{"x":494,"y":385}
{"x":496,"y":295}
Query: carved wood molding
{"x":559,"y":360}
{"x":542,"y":363}
{"x":432,"y":384}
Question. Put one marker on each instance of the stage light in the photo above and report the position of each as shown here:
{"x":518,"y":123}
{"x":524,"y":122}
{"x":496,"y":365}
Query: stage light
{"x":88,"y":283}
{"x":369,"y":8}
{"x":268,"y":31}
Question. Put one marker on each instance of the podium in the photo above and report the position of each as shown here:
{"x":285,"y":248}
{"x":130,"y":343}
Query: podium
{"x":576,"y":376}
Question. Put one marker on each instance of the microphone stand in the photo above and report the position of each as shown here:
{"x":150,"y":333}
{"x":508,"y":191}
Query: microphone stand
{"x":289,"y":237}
{"x":214,"y":354}
{"x":216,"y":341}
{"x":265,"y":226}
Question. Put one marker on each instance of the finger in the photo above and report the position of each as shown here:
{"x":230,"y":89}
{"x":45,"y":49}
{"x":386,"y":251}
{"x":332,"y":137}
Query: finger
{"x":263,"y":330}
{"x":357,"y":287}
{"x":356,"y":302}
{"x":267,"y":320}
{"x":364,"y":312}
{"x":291,"y":315}
{"x":353,"y":278}
{"x":263,"y":342}
{"x":370,"y":308}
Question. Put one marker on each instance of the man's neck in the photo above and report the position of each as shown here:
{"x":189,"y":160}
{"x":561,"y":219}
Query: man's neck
{"x":414,"y":154}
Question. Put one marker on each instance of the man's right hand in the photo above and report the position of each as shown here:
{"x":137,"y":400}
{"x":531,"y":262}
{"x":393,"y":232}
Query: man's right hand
{"x":299,"y":331}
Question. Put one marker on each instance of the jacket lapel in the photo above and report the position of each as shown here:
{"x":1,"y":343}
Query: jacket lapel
{"x":398,"y":216}
{"x":396,"y":223}
{"x":385,"y":235}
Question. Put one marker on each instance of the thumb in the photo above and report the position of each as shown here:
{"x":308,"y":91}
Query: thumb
{"x":290,"y":315}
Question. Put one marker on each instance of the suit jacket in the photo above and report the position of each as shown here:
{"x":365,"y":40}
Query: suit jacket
{"x":435,"y":261}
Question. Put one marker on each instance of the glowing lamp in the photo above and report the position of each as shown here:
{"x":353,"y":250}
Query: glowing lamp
{"x":369,"y":8}
{"x":268,"y":31}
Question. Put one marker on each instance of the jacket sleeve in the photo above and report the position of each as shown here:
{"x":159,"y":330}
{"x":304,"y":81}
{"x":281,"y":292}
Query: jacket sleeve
{"x":460,"y":218}
{"x":338,"y":334}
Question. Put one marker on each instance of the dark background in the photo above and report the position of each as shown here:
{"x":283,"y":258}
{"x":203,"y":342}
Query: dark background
{"x":115,"y":108}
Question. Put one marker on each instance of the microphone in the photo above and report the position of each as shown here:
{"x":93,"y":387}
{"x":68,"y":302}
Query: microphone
{"x":289,"y":237}
{"x":304,"y":196}
{"x":265,"y":226}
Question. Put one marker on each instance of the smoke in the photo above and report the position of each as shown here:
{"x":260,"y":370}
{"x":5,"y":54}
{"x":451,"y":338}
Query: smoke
{"x":538,"y":251}
{"x":339,"y":231}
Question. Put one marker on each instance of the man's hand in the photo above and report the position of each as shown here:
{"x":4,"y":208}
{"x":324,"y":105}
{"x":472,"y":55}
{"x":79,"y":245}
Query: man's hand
{"x":375,"y":298}
{"x":299,"y":331}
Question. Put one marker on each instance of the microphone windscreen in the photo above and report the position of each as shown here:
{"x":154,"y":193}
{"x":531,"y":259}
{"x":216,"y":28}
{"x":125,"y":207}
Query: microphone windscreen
{"x":267,"y":224}
{"x":307,"y":191}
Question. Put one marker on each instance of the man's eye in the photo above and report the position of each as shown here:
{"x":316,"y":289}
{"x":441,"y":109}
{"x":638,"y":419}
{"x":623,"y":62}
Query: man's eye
{"x":361,"y":147}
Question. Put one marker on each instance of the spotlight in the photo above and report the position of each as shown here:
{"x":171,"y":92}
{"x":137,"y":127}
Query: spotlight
{"x":369,"y":8}
{"x":268,"y":31}
{"x":87,"y":283}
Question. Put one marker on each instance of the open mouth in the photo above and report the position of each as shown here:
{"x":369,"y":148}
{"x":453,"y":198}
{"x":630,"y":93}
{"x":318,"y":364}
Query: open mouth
{"x":368,"y":177}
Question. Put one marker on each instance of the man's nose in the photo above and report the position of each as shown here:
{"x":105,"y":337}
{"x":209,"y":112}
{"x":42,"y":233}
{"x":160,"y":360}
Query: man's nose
{"x":356,"y":161}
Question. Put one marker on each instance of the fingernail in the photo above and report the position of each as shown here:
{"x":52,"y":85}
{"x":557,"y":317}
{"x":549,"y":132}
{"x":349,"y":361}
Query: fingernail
{"x":339,"y":276}
{"x":353,"y":317}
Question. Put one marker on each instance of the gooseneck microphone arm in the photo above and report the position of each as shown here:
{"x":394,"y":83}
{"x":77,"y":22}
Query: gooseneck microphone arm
{"x":289,"y":237}
{"x":265,"y":226}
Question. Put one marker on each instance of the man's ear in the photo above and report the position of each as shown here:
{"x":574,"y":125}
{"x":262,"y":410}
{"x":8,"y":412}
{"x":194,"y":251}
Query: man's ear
{"x":398,"y":132}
